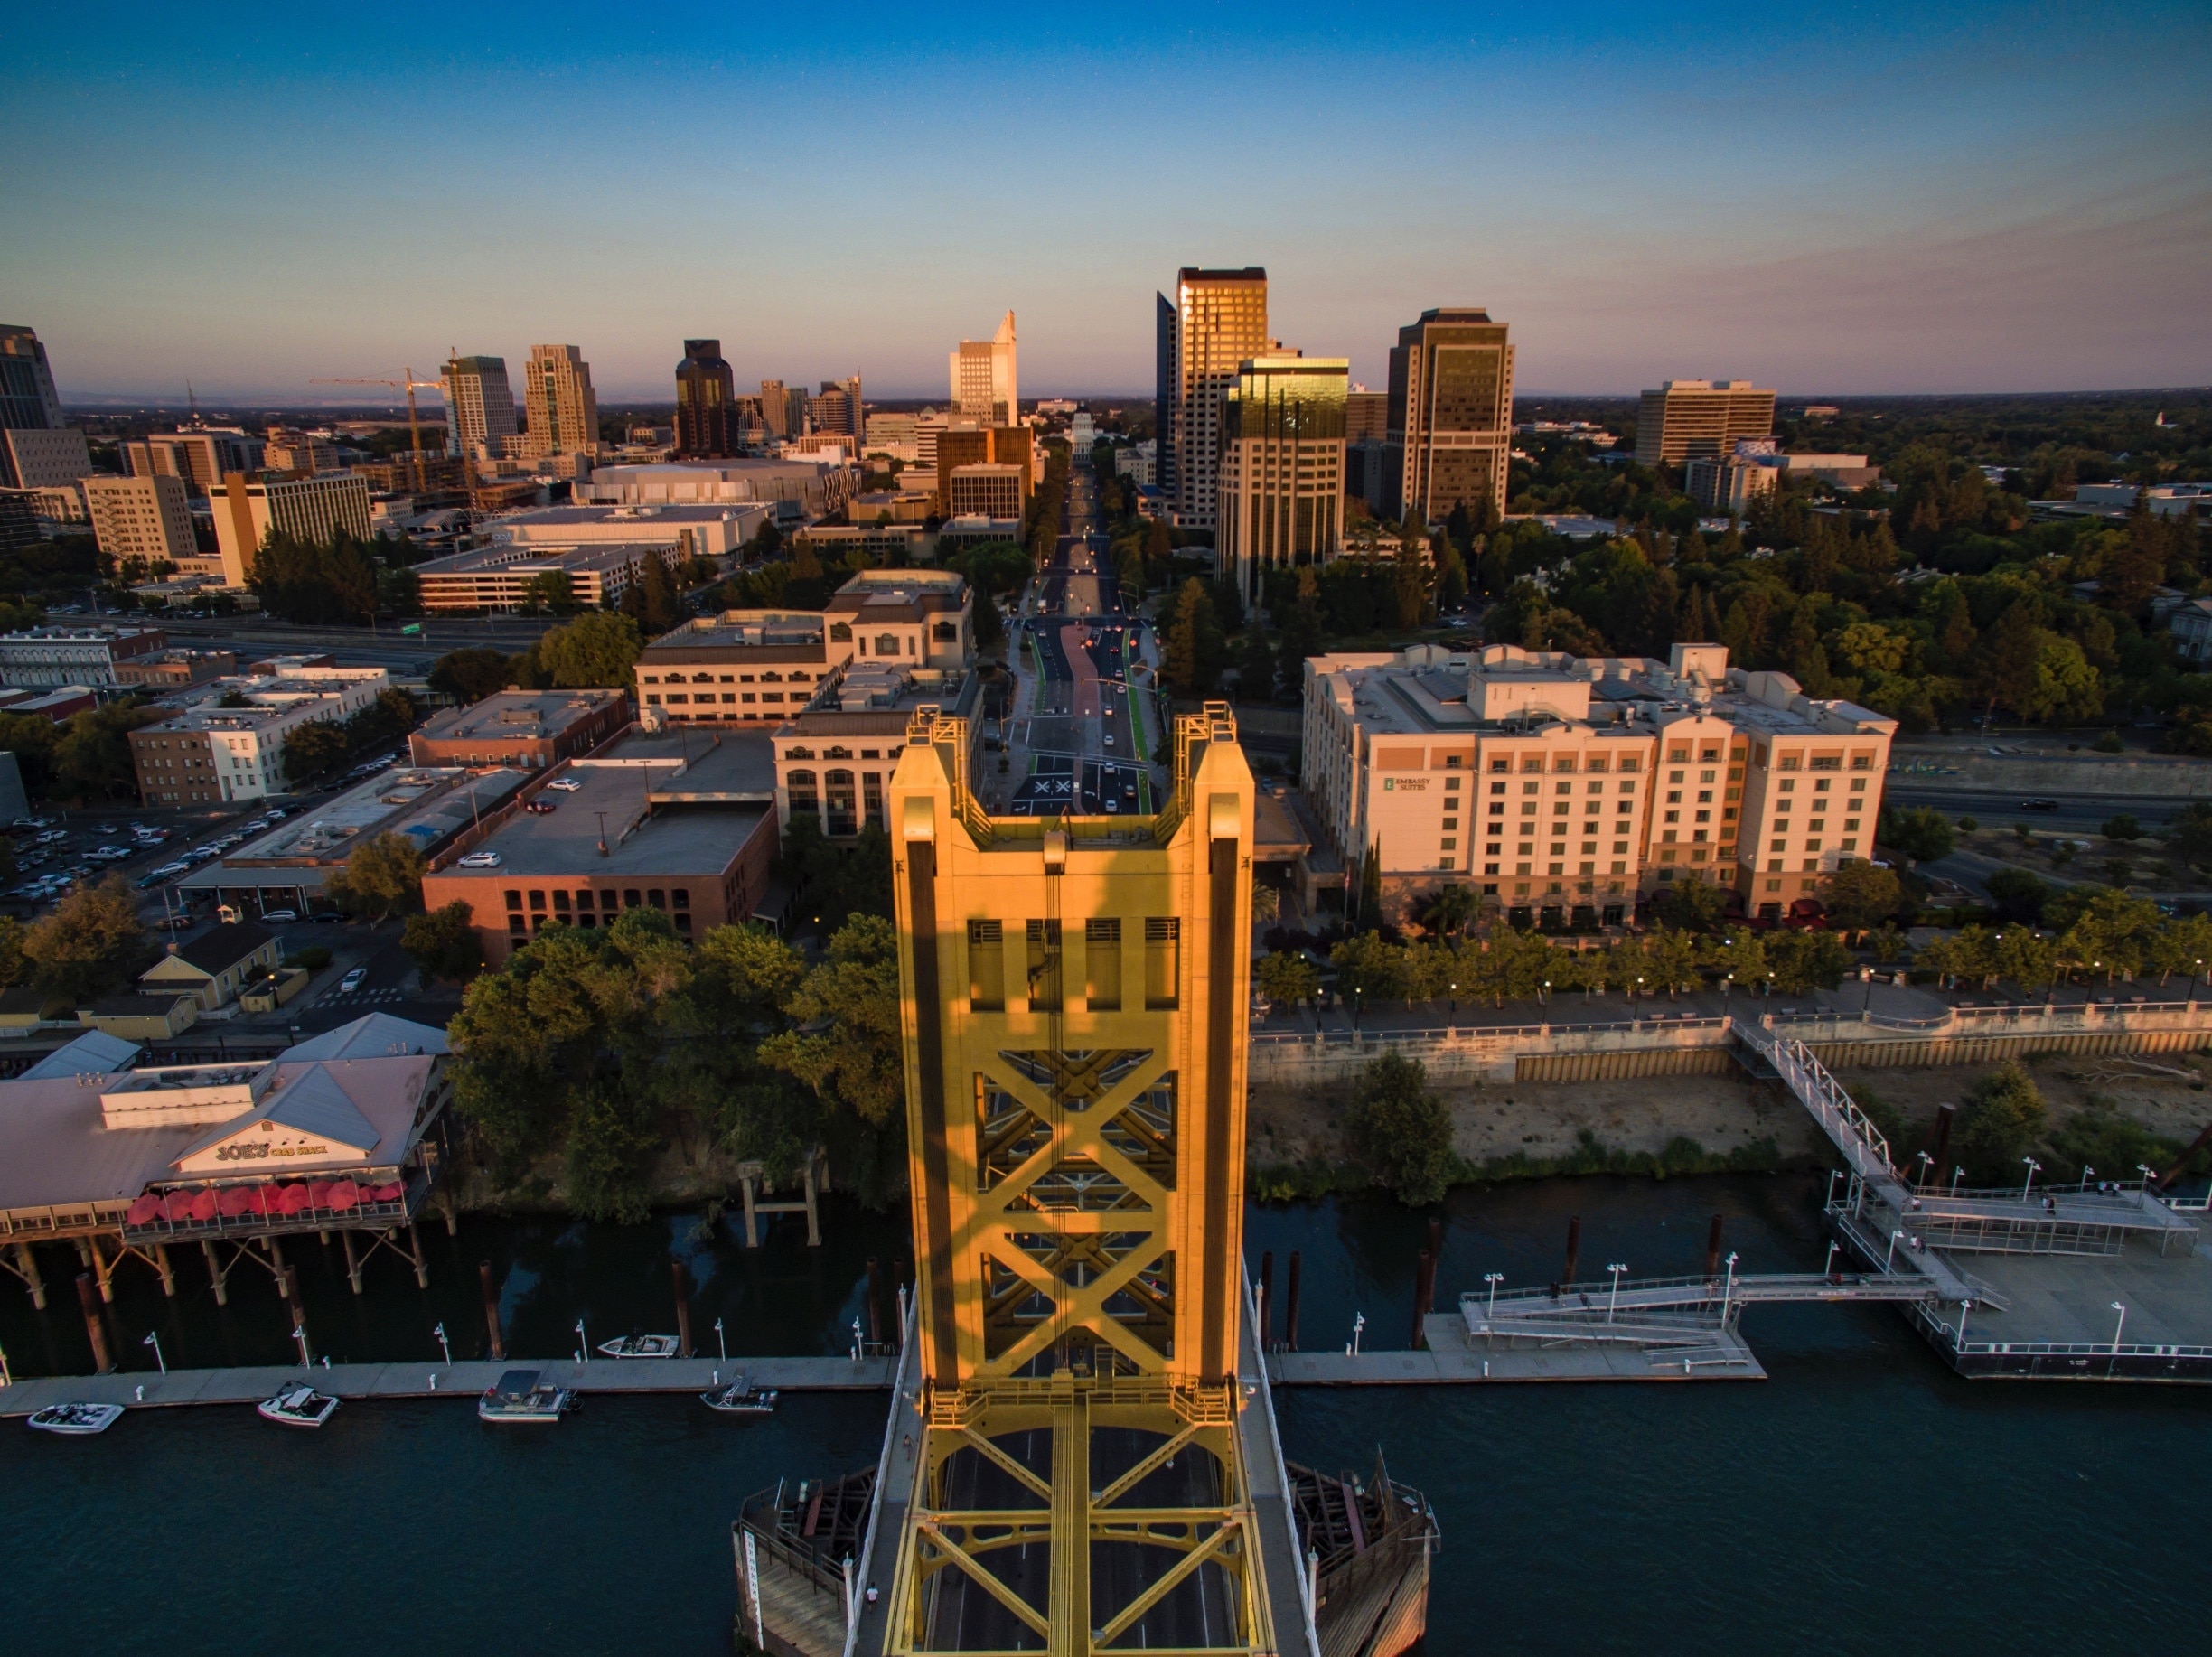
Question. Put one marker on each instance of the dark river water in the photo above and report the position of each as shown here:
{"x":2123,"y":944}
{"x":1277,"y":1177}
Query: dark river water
{"x":1861,"y":1500}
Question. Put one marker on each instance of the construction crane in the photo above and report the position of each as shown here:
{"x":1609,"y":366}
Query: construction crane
{"x":409,"y":385}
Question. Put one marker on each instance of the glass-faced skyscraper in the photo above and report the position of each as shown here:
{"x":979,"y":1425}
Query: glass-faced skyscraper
{"x":479,"y":406}
{"x":986,"y":387}
{"x":706,"y":403}
{"x":1216,"y":322}
{"x":1280,"y":495}
{"x":1450,"y":414}
{"x":28,"y":400}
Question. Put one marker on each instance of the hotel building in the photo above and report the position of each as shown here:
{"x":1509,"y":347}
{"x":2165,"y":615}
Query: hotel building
{"x":563,"y":409}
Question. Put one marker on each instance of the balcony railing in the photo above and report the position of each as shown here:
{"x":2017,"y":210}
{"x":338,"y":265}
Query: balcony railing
{"x":209,"y":1211}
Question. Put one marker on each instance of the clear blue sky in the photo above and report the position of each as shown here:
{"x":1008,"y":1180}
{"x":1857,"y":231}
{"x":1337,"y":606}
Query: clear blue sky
{"x":1874,"y":198}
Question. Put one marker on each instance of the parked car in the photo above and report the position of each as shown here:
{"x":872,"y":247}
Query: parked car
{"x":170,"y":871}
{"x":481,"y":860}
{"x":538,"y":808}
{"x":567,"y":785}
{"x":279,"y":917}
{"x":328,"y":917}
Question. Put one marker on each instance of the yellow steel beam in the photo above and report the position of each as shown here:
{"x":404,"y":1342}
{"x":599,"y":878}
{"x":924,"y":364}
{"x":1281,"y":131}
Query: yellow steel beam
{"x":952,"y":1553}
{"x":1159,"y":1590}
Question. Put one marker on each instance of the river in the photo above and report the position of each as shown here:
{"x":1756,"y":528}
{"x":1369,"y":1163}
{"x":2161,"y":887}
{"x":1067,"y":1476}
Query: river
{"x":1863,"y":1499}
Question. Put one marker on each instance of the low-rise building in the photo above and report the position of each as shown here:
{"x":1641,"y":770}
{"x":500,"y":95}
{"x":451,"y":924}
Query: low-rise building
{"x":491,"y":580}
{"x":834,"y":758}
{"x":58,"y":705}
{"x":647,"y":828}
{"x":1576,"y":784}
{"x":991,"y":489}
{"x":813,"y":488}
{"x":886,"y":545}
{"x":145,"y":519}
{"x":1731,"y":483}
{"x":2190,"y":623}
{"x":290,"y":865}
{"x":175,"y":670}
{"x":316,"y":509}
{"x":41,"y":657}
{"x":527,"y":730}
{"x":211,"y":752}
{"x":976,"y":530}
{"x":215,"y":965}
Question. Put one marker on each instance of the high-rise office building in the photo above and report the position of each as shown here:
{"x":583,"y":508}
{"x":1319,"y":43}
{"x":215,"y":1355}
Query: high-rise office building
{"x":836,"y":410}
{"x":783,"y":409}
{"x":1216,"y":324}
{"x":562,"y":408}
{"x":141,"y":517}
{"x":1281,"y":468}
{"x":1366,"y":415}
{"x":479,"y":406}
{"x":1688,"y":419}
{"x":315,"y":509}
{"x":1450,"y":414}
{"x":984,"y":385}
{"x":1001,"y":445}
{"x":201,"y":457}
{"x":34,"y":453}
{"x":706,"y":397}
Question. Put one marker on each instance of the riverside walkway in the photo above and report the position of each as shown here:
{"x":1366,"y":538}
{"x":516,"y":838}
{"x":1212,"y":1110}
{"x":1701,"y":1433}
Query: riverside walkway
{"x":152,"y":1389}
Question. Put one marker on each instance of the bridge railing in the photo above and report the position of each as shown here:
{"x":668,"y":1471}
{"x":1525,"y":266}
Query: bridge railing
{"x":1832,"y":1107}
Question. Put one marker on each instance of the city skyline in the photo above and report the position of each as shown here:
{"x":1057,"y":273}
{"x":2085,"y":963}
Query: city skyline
{"x":1891,"y":210}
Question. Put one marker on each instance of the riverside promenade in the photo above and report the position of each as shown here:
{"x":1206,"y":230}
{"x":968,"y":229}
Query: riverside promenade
{"x":138,"y":1388}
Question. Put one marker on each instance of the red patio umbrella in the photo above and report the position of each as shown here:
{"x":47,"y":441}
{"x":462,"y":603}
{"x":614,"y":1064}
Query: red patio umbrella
{"x":143,"y":1211}
{"x":291,"y":1199}
{"x":203,"y":1205}
{"x":319,"y":1193}
{"x":177,"y":1204}
{"x":235,"y":1201}
{"x":343,"y":1194}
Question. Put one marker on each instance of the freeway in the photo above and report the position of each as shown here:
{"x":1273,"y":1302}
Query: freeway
{"x":2081,"y":811}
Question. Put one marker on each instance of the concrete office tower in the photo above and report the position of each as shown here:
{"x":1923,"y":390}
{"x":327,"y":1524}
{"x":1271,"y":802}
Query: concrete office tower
{"x":776,"y":410}
{"x":836,"y":410}
{"x":1366,"y":415}
{"x":479,"y":406}
{"x":36,"y":450}
{"x":706,"y":403}
{"x":1686,"y":419}
{"x":316,"y":509}
{"x":1450,"y":414}
{"x":1216,"y":324}
{"x":141,"y":517}
{"x":984,"y":385}
{"x":562,"y":407}
{"x":202,"y":457}
{"x":1282,"y":456}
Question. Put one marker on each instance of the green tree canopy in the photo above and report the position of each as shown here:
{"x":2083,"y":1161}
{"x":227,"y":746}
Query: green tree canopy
{"x":1860,"y":895}
{"x":470,"y":674}
{"x":91,"y":945}
{"x":598,"y":650}
{"x":1921,"y":833}
{"x":443,"y":943}
{"x":1287,"y":978}
{"x":382,"y":877}
{"x":1401,"y":1131}
{"x":314,"y":749}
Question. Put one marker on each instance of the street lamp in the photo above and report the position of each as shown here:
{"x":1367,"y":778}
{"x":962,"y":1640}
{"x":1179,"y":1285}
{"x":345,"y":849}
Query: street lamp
{"x":1828,"y":1266}
{"x":1926,"y":1164}
{"x":1546,"y":998}
{"x":2118,"y":1326}
{"x":154,"y":1340}
{"x":2034,"y":1168}
{"x":1493,"y":1279}
{"x":1615,"y":1299}
{"x":1727,"y":1290}
{"x":445,"y":1345}
{"x":299,"y":1333}
{"x":1964,"y":1307}
{"x":583,"y":1343}
{"x":1889,"y":1259}
{"x":1956,"y":1174}
{"x":1359,"y":1322}
{"x":722,"y":1345}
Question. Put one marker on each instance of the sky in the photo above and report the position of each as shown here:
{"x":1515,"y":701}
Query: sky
{"x":1829,"y":200}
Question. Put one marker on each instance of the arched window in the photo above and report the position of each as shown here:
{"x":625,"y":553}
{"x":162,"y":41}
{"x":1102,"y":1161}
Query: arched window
{"x":841,"y":632}
{"x":799,"y":785}
{"x":886,"y":644}
{"x":840,"y":816}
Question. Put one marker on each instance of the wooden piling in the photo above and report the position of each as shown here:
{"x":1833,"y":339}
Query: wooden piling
{"x":1574,"y":1250}
{"x":1712,"y":1248}
{"x":1267,"y":1300}
{"x":216,"y":1274}
{"x":88,"y":1298}
{"x":354,"y":1270}
{"x":1935,"y":1168}
{"x":491,"y":1306}
{"x":422,"y":1269}
{"x":28,"y":1263}
{"x":1290,"y":1307}
{"x":1424,"y":1298}
{"x":168,"y":1272}
{"x":874,"y":1302}
{"x":103,"y":1269}
{"x":683,"y":1310}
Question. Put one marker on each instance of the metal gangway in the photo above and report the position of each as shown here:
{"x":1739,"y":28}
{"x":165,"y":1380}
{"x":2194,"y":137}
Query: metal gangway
{"x":1668,"y":1311}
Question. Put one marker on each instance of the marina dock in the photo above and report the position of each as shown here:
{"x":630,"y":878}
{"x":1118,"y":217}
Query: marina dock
{"x":140,"y":1389}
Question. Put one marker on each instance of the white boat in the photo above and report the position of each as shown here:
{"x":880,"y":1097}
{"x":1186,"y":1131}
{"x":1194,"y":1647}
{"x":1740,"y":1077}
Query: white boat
{"x":739,"y":1399}
{"x":521,"y":1395}
{"x":640,"y":1346}
{"x":77,"y":1420}
{"x":297,"y":1405}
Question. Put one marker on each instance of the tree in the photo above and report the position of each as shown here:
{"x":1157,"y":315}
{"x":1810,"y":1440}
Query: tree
{"x":92,"y":944}
{"x":1860,"y":895}
{"x":596,"y":652}
{"x":1690,"y":906}
{"x":2018,"y":895}
{"x":2190,"y":837}
{"x":315,"y":583}
{"x":1402,"y":1131}
{"x":848,"y":1048}
{"x":380,"y":877}
{"x":1450,"y":907}
{"x":314,"y":749}
{"x":1256,"y":665}
{"x":1286,"y":977}
{"x":443,"y":943}
{"x":469,"y":675}
{"x":92,"y":753}
{"x":1800,"y":962}
{"x":549,"y":590}
{"x":2123,"y":828}
{"x":1196,"y":649}
{"x":2002,"y":1115}
{"x":1921,"y":833}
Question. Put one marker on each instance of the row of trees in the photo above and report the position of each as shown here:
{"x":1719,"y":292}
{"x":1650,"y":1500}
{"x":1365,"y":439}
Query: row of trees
{"x":2092,"y":931}
{"x":85,"y":758}
{"x":597,"y":651}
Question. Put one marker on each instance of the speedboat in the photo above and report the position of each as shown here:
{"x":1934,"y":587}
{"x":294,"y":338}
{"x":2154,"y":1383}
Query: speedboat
{"x":739,"y":1399}
{"x":521,"y":1395}
{"x":77,"y":1420}
{"x":298,"y":1405}
{"x":640,"y":1346}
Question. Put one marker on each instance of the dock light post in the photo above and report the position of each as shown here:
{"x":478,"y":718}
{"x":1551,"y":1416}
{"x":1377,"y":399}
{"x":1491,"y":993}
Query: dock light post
{"x":1613,"y":1300}
{"x":1728,"y":1290}
{"x":1359,"y":1322}
{"x":855,"y":1329}
{"x":299,"y":1333}
{"x":583,"y":1343}
{"x":154,"y":1340}
{"x":2117,"y":1327}
{"x":1926,"y":1164}
{"x":721,"y":1345}
{"x":1956,"y":1174}
{"x":445,"y":1345}
{"x":2034,"y":1168}
{"x":1889,"y":1259}
{"x":1828,"y":1266}
{"x":1493,"y":1279}
{"x":6,"y":1380}
{"x":1964,"y":1307}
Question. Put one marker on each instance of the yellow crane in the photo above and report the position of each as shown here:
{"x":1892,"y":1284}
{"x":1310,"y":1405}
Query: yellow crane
{"x":409,"y":385}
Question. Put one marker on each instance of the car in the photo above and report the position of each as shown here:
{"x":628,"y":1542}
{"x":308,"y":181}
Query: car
{"x":353,"y":981}
{"x":481,"y":860}
{"x":277,"y":814}
{"x":279,"y":917}
{"x":170,"y":871}
{"x":327,"y":917}
{"x":538,"y":808}
{"x":52,"y":835}
{"x":567,"y":785}
{"x":1110,"y":739}
{"x":2039,"y":805}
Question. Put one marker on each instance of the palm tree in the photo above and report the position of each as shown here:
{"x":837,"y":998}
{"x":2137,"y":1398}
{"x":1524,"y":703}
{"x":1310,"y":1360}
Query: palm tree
{"x":1451,"y":908}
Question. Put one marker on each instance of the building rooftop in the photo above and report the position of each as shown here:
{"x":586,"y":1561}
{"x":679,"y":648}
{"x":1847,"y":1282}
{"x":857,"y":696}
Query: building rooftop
{"x":516,"y":714}
{"x":223,"y":947}
{"x":425,"y":804}
{"x":696,"y":767}
{"x":798,"y":632}
{"x":873,"y":699}
{"x":617,"y":800}
{"x":93,"y":1053}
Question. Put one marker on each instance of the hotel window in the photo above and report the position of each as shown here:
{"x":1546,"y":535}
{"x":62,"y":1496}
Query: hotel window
{"x":1044,"y":966}
{"x":1102,"y":965}
{"x":1163,"y":961}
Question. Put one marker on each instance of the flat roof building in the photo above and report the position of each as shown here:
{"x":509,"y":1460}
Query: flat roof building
{"x":993,"y":490}
{"x":1281,"y":467}
{"x":211,"y":752}
{"x":1216,"y":322}
{"x":41,"y":658}
{"x":145,"y":519}
{"x":1450,"y":414}
{"x":834,"y":758}
{"x":528,"y":730}
{"x":816,"y":488}
{"x":1687,"y":418}
{"x":315,"y":509}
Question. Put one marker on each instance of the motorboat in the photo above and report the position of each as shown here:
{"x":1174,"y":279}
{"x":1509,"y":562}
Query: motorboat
{"x":523,"y":1395}
{"x":298,"y":1405}
{"x":77,"y":1420}
{"x":640,"y":1346}
{"x":739,"y":1398}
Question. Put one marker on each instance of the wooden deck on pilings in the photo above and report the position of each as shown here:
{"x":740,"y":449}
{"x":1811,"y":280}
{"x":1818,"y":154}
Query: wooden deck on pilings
{"x":461,"y":1381}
